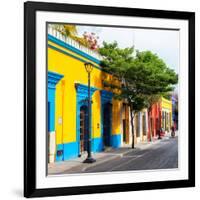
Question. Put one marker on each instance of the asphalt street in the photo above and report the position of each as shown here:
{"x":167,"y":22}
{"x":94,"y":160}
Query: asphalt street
{"x":161,"y":155}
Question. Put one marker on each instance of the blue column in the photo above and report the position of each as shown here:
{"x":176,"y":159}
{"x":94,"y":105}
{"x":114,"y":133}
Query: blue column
{"x":53,"y":79}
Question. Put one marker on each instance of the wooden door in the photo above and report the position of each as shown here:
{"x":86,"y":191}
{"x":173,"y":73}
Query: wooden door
{"x":125,"y":123}
{"x":83,"y":129}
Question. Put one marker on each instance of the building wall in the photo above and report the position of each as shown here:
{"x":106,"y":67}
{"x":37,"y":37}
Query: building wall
{"x":160,"y":117}
{"x":141,"y":126}
{"x":166,"y":108}
{"x":69,"y":62}
{"x":154,"y":122}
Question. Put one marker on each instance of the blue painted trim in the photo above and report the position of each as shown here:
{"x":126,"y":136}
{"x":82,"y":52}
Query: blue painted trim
{"x":81,"y":97}
{"x":116,"y":140}
{"x":73,"y":49}
{"x":53,"y":79}
{"x":82,"y":90}
{"x":70,"y":150}
{"x":51,"y":109}
{"x":71,"y":55}
{"x":97,"y":144}
{"x":106,"y":97}
{"x":59,"y":147}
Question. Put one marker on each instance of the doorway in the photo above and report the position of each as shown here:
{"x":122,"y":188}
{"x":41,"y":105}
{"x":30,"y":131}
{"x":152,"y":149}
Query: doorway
{"x":107,"y":113}
{"x":125,"y":123}
{"x":83,"y":128}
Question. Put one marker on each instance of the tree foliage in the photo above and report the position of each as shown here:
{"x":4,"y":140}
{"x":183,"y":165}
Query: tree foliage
{"x":144,"y":77}
{"x":115,"y":60}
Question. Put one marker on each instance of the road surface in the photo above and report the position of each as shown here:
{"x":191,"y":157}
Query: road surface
{"x":163,"y":155}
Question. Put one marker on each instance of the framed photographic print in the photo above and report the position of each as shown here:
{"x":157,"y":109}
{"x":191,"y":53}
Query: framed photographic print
{"x":109,"y":99}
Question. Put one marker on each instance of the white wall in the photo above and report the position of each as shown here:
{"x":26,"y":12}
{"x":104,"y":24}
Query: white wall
{"x":11,"y":99}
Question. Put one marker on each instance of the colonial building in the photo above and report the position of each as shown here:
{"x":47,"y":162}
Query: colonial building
{"x":160,"y":118}
{"x":68,"y":109}
{"x":154,"y":122}
{"x":166,"y":110}
{"x":67,"y":102}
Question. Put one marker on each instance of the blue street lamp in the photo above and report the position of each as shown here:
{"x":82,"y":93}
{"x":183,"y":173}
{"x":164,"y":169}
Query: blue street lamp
{"x":89,"y":159}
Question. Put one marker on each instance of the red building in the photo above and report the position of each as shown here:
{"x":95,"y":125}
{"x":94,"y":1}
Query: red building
{"x":160,"y":118}
{"x":154,"y":121}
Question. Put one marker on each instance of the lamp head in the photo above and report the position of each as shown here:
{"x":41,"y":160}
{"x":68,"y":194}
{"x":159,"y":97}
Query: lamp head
{"x":88,"y":67}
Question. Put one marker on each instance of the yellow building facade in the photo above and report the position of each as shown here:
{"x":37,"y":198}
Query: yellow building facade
{"x":166,"y":112}
{"x":67,"y":101}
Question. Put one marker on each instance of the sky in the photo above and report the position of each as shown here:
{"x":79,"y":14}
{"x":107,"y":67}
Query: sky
{"x":165,"y":43}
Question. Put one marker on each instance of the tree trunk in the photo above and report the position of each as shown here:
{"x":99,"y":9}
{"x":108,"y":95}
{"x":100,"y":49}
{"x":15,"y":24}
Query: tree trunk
{"x":132,"y":128}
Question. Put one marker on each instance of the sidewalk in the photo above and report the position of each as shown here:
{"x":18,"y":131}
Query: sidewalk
{"x":73,"y":165}
{"x":77,"y":164}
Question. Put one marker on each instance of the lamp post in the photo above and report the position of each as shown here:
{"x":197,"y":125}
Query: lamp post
{"x":89,"y":159}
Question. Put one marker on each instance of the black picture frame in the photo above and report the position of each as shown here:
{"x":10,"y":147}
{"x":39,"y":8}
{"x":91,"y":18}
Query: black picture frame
{"x":30,"y":9}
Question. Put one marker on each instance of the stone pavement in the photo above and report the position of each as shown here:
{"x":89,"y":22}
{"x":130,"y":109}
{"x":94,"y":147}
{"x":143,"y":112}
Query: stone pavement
{"x":109,"y":154}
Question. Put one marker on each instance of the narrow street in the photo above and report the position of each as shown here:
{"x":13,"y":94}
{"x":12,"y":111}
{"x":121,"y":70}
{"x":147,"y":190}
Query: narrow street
{"x":162,"y":154}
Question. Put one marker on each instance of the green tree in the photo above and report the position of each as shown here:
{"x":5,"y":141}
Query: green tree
{"x":160,"y":81}
{"x":115,"y":60}
{"x":144,"y":77}
{"x":120,"y":62}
